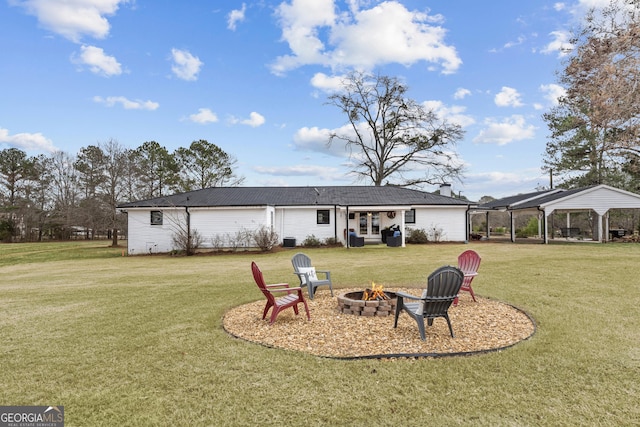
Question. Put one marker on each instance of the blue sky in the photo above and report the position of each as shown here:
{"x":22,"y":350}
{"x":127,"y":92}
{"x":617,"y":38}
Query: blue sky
{"x":252,"y":77}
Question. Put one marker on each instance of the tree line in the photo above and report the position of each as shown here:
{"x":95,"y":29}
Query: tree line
{"x":392,"y":139}
{"x":595,"y":128}
{"x":61,"y":196}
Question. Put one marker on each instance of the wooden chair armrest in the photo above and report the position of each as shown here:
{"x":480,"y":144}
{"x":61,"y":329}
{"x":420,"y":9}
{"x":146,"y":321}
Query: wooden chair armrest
{"x":278,"y":285}
{"x":287,"y":289}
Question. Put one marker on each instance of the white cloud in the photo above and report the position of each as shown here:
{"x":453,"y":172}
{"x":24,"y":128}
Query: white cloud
{"x":360,"y":38}
{"x":461,"y":93}
{"x":454,"y":113}
{"x":312,"y":138}
{"x":73,"y":19}
{"x":127,"y":104}
{"x":235,"y":16}
{"x":559,"y":44}
{"x":559,"y":6}
{"x":511,"y":129}
{"x":98,"y":61}
{"x":315,"y":139}
{"x":255,"y":120}
{"x":519,"y":41}
{"x":319,"y":171}
{"x":327,"y":83}
{"x":553,"y":92}
{"x":204,"y":116}
{"x":509,"y":183}
{"x":27,"y":141}
{"x":185,"y":65}
{"x":508,"y":97}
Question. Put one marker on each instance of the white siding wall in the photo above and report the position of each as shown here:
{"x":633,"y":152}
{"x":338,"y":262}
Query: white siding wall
{"x":452,"y":222}
{"x":295,"y":222}
{"x":225,"y":223}
{"x":144,"y":238}
{"x":300,"y":223}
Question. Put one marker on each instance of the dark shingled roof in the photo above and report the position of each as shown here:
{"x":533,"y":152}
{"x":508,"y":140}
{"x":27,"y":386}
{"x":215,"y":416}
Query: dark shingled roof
{"x":299,"y":196}
{"x":550,"y":198}
{"x":530,"y":200}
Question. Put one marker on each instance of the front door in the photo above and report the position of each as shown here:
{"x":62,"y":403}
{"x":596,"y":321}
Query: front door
{"x":369,"y":224}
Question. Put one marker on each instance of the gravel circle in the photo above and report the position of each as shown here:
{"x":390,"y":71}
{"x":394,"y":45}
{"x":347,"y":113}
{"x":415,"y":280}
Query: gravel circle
{"x":485,"y":325}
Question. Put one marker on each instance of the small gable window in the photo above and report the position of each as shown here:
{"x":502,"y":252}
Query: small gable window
{"x":156,"y":217}
{"x":323,"y":216}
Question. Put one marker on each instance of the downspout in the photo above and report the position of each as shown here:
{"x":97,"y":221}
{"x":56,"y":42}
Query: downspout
{"x":335,"y":222}
{"x":346,"y":237}
{"x":186,"y":209}
{"x":467,"y":225}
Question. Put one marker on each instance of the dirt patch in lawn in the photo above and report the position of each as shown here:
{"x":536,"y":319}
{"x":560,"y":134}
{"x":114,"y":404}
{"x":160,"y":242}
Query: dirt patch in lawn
{"x":485,"y":325}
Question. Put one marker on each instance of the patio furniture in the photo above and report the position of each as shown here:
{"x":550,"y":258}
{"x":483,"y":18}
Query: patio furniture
{"x":443,"y":286}
{"x":355,"y":241}
{"x":468,"y":262}
{"x":308,"y":275}
{"x":292,"y":298}
{"x":394,"y":241}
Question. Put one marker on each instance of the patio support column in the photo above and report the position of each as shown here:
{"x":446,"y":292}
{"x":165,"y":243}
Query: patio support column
{"x":488,"y":228}
{"x":540,"y":225}
{"x":600,"y":236}
{"x":545,"y":239}
{"x":513,"y":227}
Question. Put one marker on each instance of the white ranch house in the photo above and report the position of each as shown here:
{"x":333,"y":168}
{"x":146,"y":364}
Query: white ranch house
{"x":294,"y":213}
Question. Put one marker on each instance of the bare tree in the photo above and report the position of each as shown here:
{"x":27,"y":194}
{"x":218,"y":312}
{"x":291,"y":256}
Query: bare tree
{"x":64,"y":186}
{"x":391,"y":136}
{"x":595,"y":129}
{"x":115,"y":156}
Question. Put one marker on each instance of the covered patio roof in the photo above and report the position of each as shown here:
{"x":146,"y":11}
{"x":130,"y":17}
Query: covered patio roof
{"x":598,"y":198}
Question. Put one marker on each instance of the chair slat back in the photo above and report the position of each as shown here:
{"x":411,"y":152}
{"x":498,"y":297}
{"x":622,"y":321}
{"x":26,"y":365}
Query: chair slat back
{"x":443,"y":286}
{"x":469,"y":261}
{"x":259,"y":278}
{"x":300,"y":260}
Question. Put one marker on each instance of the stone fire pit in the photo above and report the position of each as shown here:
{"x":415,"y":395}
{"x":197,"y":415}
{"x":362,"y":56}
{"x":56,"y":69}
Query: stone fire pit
{"x":352,"y":303}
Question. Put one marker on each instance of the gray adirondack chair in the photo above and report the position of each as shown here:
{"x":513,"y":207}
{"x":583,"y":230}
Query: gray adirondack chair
{"x":443,"y":286}
{"x":304,"y":270}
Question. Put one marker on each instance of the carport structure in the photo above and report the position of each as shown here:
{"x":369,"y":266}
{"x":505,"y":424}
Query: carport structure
{"x":599,"y":199}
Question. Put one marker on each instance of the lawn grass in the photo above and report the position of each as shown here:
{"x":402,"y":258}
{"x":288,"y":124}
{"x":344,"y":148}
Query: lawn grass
{"x":138,"y":340}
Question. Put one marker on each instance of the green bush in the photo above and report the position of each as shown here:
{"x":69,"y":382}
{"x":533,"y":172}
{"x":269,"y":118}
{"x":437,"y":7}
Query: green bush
{"x":531,"y":229}
{"x":6,"y":231}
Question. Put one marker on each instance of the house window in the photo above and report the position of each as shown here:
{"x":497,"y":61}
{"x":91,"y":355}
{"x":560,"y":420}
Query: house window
{"x":323,"y":216}
{"x":410,"y":216}
{"x":156,"y":217}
